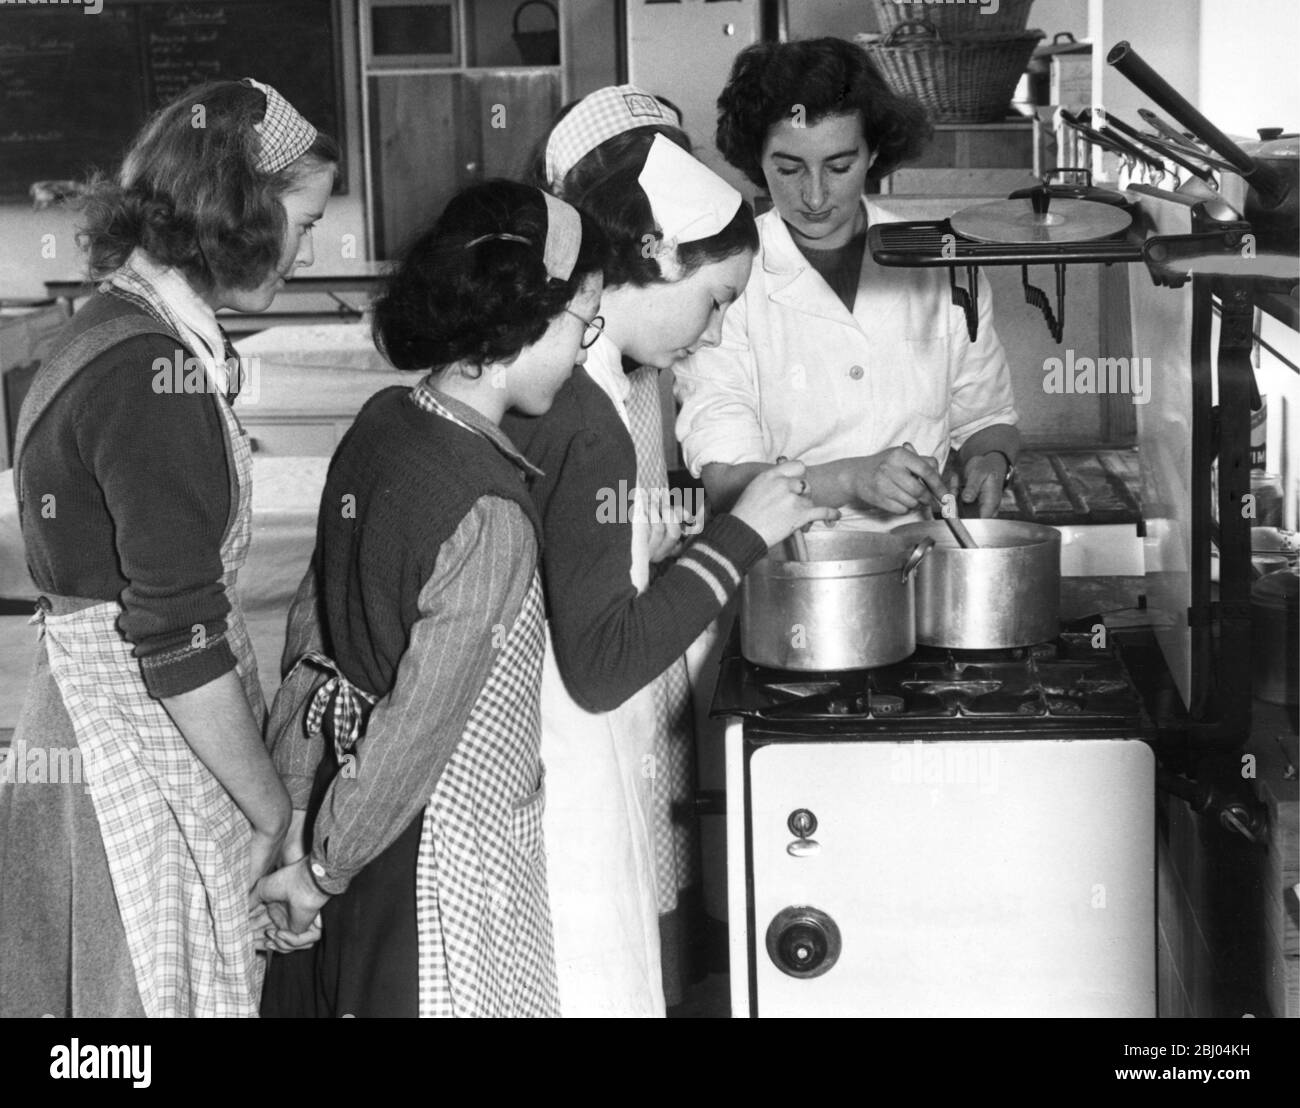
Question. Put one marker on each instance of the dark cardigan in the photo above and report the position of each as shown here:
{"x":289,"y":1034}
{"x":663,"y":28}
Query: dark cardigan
{"x":610,"y":642}
{"x":126,"y":493}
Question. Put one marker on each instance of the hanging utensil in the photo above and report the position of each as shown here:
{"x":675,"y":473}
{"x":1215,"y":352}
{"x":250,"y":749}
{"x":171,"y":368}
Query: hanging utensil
{"x":1108,"y":120}
{"x":1084,"y":119}
{"x":1178,"y":138}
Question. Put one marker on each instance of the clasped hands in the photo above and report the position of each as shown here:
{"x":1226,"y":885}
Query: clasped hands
{"x":285,"y":904}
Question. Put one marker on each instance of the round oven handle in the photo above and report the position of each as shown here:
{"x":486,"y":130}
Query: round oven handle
{"x":914,"y":559}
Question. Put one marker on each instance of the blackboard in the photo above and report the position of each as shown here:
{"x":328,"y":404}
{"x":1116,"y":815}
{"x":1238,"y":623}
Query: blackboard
{"x":70,"y":93}
{"x":75,"y":88}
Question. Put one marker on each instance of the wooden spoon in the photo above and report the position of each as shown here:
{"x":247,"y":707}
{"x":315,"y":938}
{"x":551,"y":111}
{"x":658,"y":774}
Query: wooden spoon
{"x":948,"y":509}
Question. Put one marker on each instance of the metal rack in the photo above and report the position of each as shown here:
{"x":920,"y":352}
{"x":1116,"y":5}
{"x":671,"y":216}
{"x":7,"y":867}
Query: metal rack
{"x":933,"y":243}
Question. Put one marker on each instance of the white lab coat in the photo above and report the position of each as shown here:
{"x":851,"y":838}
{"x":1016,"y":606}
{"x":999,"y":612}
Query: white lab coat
{"x":798,"y":375}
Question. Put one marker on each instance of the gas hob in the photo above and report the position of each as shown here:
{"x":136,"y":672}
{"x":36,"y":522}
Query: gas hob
{"x":1078,"y":681}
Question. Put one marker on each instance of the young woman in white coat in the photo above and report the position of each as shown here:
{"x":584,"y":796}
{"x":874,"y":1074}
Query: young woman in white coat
{"x":682,"y":244}
{"x":865,"y":374}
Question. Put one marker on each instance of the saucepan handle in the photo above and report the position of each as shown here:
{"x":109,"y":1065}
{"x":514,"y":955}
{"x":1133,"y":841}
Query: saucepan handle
{"x":914,"y":559}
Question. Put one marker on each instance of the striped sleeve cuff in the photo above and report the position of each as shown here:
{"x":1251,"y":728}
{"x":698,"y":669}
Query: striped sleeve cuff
{"x":723,"y":554}
{"x":184,"y":669}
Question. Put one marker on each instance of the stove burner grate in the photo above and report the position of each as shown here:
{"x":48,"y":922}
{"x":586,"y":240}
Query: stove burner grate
{"x":1066,"y":679}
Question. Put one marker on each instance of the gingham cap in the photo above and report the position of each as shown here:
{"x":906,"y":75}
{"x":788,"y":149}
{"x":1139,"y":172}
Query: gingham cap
{"x":286,"y":136}
{"x":603,"y":114}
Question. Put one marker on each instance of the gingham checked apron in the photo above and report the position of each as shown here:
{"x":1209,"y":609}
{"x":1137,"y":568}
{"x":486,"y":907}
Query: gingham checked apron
{"x":176,"y":843}
{"x":484,"y":923}
{"x":676,"y":848}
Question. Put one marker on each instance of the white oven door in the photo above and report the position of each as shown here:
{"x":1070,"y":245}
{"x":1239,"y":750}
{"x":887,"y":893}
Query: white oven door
{"x":964,"y":877}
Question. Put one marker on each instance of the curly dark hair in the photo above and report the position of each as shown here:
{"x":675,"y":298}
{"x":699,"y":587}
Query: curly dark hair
{"x":825,"y":76}
{"x":191,"y":195}
{"x":604,"y":183}
{"x":449,"y":302}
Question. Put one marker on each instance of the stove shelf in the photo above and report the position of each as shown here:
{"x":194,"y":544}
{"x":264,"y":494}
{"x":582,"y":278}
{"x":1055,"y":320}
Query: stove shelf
{"x":933,"y":243}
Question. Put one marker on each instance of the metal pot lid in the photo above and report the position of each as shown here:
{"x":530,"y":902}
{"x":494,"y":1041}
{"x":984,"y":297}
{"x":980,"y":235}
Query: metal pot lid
{"x":1279,"y":589}
{"x":1015,"y":221}
{"x":1063,"y":43}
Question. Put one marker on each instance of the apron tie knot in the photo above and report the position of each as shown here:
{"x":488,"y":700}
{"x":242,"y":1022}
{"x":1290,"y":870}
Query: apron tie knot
{"x":346,"y":705}
{"x":43,"y":607}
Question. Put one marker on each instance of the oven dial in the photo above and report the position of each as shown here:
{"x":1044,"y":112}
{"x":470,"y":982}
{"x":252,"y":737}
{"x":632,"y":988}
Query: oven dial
{"x":802,"y":823}
{"x":803,"y":942}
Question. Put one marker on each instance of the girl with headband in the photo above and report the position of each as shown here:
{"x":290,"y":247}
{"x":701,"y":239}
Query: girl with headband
{"x":616,"y":737}
{"x":407,"y":727}
{"x":864,"y":373}
{"x":126,"y":891}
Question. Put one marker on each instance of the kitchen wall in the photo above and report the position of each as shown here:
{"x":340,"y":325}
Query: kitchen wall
{"x":1247,"y":66}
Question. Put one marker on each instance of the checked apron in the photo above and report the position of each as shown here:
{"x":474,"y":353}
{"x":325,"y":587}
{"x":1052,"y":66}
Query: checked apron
{"x":484,"y":922}
{"x":176,"y":843}
{"x":476,"y":869}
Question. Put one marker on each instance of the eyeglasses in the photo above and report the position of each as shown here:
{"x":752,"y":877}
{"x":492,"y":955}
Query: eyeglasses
{"x":594,"y":328}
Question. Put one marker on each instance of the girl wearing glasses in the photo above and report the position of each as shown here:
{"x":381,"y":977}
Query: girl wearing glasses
{"x":407,"y":727}
{"x":616,"y":733}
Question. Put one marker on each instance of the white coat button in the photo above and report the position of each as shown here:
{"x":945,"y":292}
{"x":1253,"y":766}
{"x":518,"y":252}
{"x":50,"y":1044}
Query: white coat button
{"x":856,"y":372}
{"x":318,"y":869}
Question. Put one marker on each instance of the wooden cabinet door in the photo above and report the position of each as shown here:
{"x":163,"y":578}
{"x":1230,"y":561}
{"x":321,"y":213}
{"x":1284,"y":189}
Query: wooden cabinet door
{"x":432,"y":134}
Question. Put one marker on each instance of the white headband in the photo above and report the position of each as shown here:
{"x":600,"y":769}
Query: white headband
{"x":563,"y":238}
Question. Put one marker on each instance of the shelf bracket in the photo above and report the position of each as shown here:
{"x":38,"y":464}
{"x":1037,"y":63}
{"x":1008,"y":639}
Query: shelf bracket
{"x":967,"y":301}
{"x":1037,"y":298}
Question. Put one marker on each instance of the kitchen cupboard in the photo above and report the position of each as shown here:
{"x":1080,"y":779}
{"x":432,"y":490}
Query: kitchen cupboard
{"x":459,"y":105}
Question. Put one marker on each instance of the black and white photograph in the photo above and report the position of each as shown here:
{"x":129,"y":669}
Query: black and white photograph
{"x":651,"y":508}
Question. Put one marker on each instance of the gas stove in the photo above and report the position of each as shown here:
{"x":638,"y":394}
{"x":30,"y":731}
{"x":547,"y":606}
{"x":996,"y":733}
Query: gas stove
{"x":1070,"y":683}
{"x":963,"y":833}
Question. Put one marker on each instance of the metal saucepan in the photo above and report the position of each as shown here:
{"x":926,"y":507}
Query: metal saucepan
{"x":1005,"y":593}
{"x":850,"y":605}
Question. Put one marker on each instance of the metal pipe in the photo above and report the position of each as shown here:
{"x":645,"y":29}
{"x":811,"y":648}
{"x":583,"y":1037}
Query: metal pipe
{"x":1266,"y":180}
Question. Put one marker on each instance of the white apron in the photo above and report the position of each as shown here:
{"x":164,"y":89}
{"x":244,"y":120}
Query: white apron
{"x":598,"y":828}
{"x":176,"y":843}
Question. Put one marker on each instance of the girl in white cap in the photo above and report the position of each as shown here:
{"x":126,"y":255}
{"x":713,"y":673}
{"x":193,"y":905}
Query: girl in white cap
{"x":124,"y":886}
{"x":616,"y":732}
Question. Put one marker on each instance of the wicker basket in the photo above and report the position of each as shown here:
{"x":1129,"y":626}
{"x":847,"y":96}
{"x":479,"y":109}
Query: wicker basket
{"x":957,"y":78}
{"x":955,"y":18}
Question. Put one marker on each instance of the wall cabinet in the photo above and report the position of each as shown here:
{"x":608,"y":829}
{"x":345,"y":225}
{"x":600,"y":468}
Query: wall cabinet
{"x":451,"y":111}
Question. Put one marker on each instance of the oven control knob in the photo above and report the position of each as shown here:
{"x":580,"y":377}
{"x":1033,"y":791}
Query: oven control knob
{"x":803,"y":942}
{"x":802,"y":823}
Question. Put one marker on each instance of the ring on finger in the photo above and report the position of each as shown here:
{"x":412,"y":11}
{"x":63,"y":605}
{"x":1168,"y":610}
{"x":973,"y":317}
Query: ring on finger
{"x":803,"y":487}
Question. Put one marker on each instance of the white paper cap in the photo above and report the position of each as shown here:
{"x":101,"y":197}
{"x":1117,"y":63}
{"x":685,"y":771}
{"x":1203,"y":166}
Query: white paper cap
{"x":689,"y":201}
